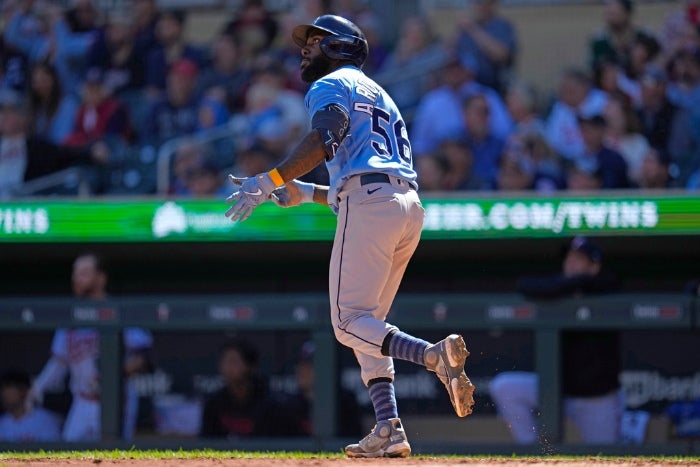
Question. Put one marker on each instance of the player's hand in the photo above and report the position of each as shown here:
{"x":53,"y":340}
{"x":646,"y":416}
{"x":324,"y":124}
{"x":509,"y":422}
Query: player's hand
{"x":253,"y":191}
{"x":293,"y":193}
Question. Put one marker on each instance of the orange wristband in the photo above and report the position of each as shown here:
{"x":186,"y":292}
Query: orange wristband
{"x":276,"y":177}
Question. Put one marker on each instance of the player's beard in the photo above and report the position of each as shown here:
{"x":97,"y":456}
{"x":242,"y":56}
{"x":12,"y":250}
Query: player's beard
{"x":318,"y":67}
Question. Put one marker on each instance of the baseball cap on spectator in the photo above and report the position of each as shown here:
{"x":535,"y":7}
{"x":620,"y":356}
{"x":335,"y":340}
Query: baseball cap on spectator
{"x":9,"y":98}
{"x":464,"y":60}
{"x":588,"y":165}
{"x":653,"y":75}
{"x":184,"y":67}
{"x":94,"y":75}
{"x":306,"y":354}
{"x":594,"y":119}
{"x":586,"y":246}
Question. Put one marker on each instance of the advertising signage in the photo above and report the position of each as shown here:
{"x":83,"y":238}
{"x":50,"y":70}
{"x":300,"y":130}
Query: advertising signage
{"x":111,"y":220}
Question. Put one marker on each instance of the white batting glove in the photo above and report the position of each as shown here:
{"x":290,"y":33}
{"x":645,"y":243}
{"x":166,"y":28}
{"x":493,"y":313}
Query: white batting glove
{"x":253,"y":191}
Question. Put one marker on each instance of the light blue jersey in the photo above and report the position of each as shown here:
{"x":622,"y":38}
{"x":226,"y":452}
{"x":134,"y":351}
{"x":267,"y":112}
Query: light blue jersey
{"x":377,"y":140}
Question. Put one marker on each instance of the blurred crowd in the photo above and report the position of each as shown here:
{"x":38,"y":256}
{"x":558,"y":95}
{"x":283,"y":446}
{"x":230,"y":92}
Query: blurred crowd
{"x":122,"y":94}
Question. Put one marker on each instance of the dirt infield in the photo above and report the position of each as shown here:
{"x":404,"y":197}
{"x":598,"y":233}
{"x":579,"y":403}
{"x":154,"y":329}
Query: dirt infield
{"x":323,"y":462}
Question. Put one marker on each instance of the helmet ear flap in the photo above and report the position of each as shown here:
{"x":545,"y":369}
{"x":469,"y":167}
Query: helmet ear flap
{"x":329,"y":47}
{"x":343,"y":48}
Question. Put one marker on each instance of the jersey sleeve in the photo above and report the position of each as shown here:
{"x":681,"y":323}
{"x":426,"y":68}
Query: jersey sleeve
{"x":59,"y":345}
{"x":326,"y":91}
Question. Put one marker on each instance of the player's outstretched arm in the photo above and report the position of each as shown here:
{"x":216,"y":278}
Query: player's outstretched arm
{"x":293,"y":193}
{"x":253,"y":191}
{"x":296,"y":192}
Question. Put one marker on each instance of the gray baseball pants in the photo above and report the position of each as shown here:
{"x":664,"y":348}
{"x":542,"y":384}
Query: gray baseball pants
{"x":379,"y":226}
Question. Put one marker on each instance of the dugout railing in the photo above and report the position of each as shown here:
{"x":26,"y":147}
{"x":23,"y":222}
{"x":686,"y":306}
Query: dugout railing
{"x":309,"y":312}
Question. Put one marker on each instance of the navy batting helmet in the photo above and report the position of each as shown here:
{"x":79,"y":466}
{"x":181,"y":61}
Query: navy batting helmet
{"x":343,"y":41}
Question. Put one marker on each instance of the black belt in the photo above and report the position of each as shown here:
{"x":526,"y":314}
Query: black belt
{"x":366,"y":179}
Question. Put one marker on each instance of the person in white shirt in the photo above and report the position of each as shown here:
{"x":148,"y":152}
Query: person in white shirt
{"x":76,"y":351}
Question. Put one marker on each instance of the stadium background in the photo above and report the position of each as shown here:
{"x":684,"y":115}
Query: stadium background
{"x":646,"y":260}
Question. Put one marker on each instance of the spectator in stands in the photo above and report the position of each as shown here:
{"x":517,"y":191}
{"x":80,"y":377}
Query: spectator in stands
{"x":286,"y":53}
{"x":76,"y":351}
{"x":187,"y":156}
{"x":115,"y":53}
{"x":204,"y":180}
{"x":52,"y":112}
{"x":665,"y":125}
{"x":372,"y":25}
{"x":100,"y":115}
{"x":583,"y":176}
{"x":243,"y":407}
{"x":439,"y":114}
{"x":177,"y":112}
{"x":172,"y":48}
{"x":265,"y":118}
{"x":460,"y":161}
{"x":252,"y":159}
{"x":19,"y":422}
{"x":211,"y":113}
{"x":432,"y":170}
{"x":622,"y":134}
{"x":64,"y":41}
{"x":521,"y":102}
{"x":24,"y":157}
{"x":145,"y":20}
{"x":528,"y":163}
{"x":491,"y":41}
{"x":486,"y":148}
{"x":616,"y":41}
{"x":608,"y":76}
{"x":598,"y":155}
{"x":308,"y":10}
{"x":645,"y":50}
{"x":684,"y":88}
{"x":14,"y":64}
{"x":654,"y":172}
{"x":684,"y":92}
{"x":590,"y":360}
{"x":290,"y":102}
{"x":515,"y":173}
{"x":297,"y":407}
{"x":680,"y":29}
{"x":575,"y":96}
{"x":226,"y":80}
{"x":254,"y":28}
{"x":408,"y":71}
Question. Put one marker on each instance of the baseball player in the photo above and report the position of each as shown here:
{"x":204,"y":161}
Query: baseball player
{"x":359,"y":132}
{"x":76,"y":350}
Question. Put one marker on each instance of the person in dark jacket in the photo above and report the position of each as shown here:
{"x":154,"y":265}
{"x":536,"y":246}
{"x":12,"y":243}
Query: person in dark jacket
{"x":296,"y":414}
{"x":243,"y":407}
{"x":24,"y":157}
{"x":590,"y":360}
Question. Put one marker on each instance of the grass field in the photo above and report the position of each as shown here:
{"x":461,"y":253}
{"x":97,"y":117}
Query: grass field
{"x":207,"y":458}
